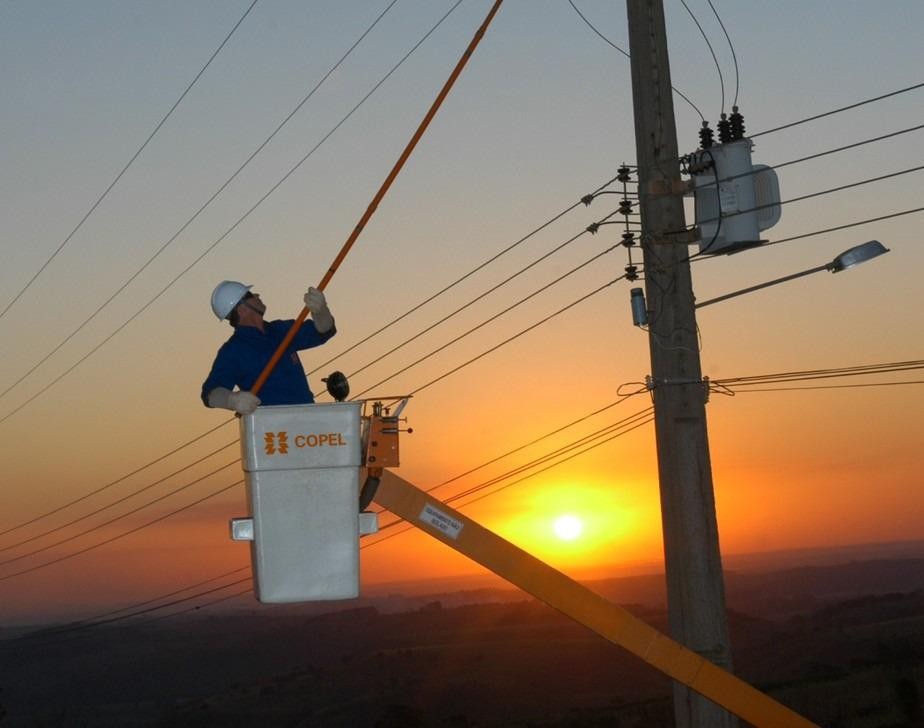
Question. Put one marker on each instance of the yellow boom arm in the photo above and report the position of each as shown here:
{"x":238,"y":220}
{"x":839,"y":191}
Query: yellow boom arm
{"x":583,"y":605}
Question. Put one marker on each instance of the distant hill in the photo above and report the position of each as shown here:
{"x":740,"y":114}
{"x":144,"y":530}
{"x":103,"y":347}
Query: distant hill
{"x":830,"y":641}
{"x":766,"y":594}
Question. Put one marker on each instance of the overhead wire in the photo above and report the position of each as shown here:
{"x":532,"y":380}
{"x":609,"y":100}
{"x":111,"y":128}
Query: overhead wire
{"x":213,"y":245}
{"x":626,"y":54}
{"x":114,"y":503}
{"x":476,"y":489}
{"x":536,"y":441}
{"x":731,"y":47}
{"x":516,"y":336}
{"x":474,"y":300}
{"x":811,"y":195}
{"x":627,"y":424}
{"x":462,"y":278}
{"x":837,"y":111}
{"x":599,"y":434}
{"x":78,"y":630}
{"x":845,"y":226}
{"x":121,"y":516}
{"x":493,"y":318}
{"x":541,"y":459}
{"x":623,"y":431}
{"x":453,"y":370}
{"x":874,"y":218}
{"x":780,"y":241}
{"x":817,"y":155}
{"x":173,"y":593}
{"x":718,"y":68}
{"x":160,"y":518}
{"x":833,"y":386}
{"x":828,"y":373}
{"x":192,"y":441}
{"x":163,"y":497}
{"x":115,"y":482}
{"x":128,"y":164}
{"x":631,"y":422}
{"x":899,"y":213}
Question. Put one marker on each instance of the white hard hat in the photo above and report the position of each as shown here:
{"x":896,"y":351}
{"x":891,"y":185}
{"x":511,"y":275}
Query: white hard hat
{"x":226,"y":296}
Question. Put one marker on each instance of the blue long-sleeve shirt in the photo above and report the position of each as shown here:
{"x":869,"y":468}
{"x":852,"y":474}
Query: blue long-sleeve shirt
{"x":242,"y":357}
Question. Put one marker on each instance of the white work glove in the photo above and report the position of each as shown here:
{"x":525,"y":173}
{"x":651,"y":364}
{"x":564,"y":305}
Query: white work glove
{"x":316,"y":304}
{"x":244,"y":403}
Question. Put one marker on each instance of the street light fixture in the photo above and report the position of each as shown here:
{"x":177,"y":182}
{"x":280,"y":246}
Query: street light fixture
{"x":848,"y":259}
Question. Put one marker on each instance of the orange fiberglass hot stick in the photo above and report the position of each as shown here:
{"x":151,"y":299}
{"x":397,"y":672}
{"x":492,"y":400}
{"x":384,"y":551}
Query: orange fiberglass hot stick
{"x":277,"y":355}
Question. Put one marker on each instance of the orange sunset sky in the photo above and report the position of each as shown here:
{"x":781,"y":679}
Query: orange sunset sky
{"x":105,"y":350}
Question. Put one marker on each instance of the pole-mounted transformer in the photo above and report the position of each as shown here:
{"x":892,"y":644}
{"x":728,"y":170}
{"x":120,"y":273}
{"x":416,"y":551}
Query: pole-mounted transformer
{"x":734,"y":199}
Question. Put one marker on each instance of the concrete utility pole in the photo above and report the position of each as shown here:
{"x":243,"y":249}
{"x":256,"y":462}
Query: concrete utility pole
{"x":695,"y":589}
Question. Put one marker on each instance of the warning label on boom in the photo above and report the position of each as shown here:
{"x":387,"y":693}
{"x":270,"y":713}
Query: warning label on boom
{"x":442,"y":521}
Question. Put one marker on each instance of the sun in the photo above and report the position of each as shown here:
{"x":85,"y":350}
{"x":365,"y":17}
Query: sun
{"x":568,"y":527}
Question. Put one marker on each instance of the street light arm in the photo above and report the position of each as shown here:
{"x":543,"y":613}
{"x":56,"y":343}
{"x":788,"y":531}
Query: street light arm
{"x":793,"y":276}
{"x":848,"y":259}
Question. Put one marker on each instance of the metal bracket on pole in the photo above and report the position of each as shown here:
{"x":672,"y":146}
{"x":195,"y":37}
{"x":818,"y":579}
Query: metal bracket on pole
{"x":689,"y":236}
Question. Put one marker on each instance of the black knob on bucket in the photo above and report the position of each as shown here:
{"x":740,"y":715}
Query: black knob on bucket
{"x":337,"y":385}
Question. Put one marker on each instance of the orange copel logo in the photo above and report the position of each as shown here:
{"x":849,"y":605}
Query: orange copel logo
{"x":276,"y":442}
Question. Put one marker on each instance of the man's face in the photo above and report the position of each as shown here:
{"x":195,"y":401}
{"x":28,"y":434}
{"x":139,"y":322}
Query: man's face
{"x":253,"y":302}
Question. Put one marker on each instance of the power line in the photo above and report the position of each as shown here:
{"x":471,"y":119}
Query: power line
{"x":836,"y":228}
{"x":492,"y":318}
{"x":114,"y":503}
{"x":518,"y":335}
{"x":128,"y":164}
{"x":232,"y":419}
{"x":111,"y":521}
{"x":641,"y":417}
{"x":832,"y":386}
{"x":722,"y":382}
{"x":112,"y":483}
{"x":104,"y":618}
{"x":117,"y":518}
{"x":175,"y":592}
{"x":864,"y":142}
{"x":627,"y":424}
{"x":631,"y":423}
{"x":483,"y":295}
{"x":508,"y":485}
{"x":485,"y":353}
{"x":530,"y":443}
{"x":464,"y":277}
{"x":816,"y":155}
{"x":626,"y":431}
{"x":613,"y":45}
{"x":830,"y":190}
{"x":121,"y":535}
{"x":718,"y":68}
{"x":71,"y":632}
{"x":837,"y":111}
{"x":210,"y":247}
{"x":731,"y":47}
{"x":829,"y":373}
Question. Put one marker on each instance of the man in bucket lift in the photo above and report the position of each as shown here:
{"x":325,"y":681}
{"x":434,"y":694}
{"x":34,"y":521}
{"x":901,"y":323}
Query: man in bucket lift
{"x":241,"y":359}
